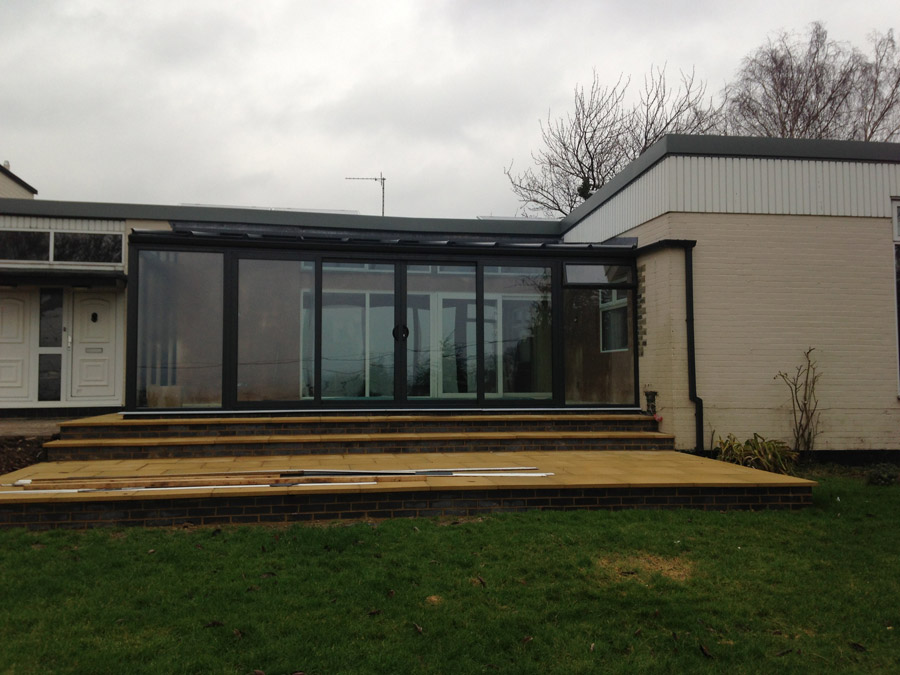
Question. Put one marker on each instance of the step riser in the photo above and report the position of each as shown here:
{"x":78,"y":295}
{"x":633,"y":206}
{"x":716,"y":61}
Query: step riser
{"x":358,"y":447}
{"x":415,"y":427}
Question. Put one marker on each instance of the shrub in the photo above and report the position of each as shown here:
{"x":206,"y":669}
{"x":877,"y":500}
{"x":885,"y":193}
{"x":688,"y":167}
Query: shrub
{"x":757,"y":453}
{"x":882,"y":474}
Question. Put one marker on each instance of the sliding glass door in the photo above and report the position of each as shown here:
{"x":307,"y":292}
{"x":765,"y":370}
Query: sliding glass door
{"x":358,"y":337}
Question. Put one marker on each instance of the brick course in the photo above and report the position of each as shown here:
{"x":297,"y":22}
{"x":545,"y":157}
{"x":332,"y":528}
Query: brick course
{"x":380,"y":505}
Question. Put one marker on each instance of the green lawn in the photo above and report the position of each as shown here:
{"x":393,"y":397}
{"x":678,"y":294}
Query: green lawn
{"x":630,"y":592}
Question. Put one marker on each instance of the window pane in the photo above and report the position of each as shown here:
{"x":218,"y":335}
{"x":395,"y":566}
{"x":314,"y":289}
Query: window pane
{"x":49,"y":377}
{"x":86,"y":247}
{"x":179,"y":332}
{"x":518,"y":352}
{"x":357,"y":331}
{"x":24,"y":245}
{"x":274,"y":305}
{"x":441,"y":356}
{"x":597,"y":274}
{"x":594,"y":374}
{"x":50,"y":325}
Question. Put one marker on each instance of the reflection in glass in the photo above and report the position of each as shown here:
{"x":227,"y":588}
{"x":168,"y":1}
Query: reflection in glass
{"x":24,"y":245}
{"x":179,"y":329}
{"x":275,"y":317}
{"x":518,"y":352}
{"x":87,"y":247}
{"x":49,"y":377}
{"x":594,"y":374}
{"x":50,"y":326}
{"x":597,"y":274}
{"x":441,"y":356}
{"x":357,"y":331}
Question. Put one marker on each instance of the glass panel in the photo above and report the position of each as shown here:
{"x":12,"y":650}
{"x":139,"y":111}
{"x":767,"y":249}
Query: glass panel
{"x":49,"y":377}
{"x":24,"y":245}
{"x":357,"y":331}
{"x":85,"y":247}
{"x":597,"y":274}
{"x":50,"y":332}
{"x":441,"y":346}
{"x":274,"y":308}
{"x":593,"y":374}
{"x":179,"y":331}
{"x":522,"y":343}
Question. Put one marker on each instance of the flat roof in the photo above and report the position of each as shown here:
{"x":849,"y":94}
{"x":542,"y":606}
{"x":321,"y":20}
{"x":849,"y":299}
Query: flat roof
{"x":733,"y":146}
{"x":518,"y":227}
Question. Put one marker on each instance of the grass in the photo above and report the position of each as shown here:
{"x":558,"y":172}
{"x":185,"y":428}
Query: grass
{"x":624,"y":592}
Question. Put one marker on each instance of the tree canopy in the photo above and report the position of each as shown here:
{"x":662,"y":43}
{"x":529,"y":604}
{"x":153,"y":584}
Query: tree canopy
{"x":791,"y":87}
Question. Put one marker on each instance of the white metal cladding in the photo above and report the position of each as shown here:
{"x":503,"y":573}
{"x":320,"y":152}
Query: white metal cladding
{"x":61,"y":224}
{"x":745,"y":185}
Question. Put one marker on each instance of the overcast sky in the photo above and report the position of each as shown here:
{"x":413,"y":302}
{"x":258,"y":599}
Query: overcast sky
{"x":274,"y":103}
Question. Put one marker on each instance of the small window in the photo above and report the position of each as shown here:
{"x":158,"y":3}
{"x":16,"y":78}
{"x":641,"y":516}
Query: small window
{"x":87,"y":248}
{"x":24,"y":245}
{"x":896,"y":210}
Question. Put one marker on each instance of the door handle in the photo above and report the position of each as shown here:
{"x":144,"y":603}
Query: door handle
{"x":400,"y":333}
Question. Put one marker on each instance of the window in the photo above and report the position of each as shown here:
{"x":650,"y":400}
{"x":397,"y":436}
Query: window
{"x":61,"y":247}
{"x":87,"y":248}
{"x":24,"y":245}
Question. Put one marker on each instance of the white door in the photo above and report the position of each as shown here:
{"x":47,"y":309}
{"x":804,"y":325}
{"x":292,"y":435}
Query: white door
{"x":93,"y":345}
{"x":15,"y":347}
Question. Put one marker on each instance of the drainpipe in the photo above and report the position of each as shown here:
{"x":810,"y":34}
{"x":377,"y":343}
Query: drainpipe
{"x":687,"y":245}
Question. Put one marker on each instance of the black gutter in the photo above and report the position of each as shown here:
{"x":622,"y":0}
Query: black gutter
{"x":687,"y":245}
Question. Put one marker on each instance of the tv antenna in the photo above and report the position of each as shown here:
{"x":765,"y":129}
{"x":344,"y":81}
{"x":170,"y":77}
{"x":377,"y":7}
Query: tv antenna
{"x":380,"y":178}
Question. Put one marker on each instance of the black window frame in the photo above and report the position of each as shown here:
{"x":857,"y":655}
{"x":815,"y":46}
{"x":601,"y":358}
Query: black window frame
{"x":322,"y":251}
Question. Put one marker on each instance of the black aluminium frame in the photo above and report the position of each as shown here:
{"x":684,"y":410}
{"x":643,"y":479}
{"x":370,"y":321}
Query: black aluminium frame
{"x":235,"y":248}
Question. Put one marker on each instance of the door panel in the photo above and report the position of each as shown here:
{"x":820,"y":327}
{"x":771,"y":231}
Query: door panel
{"x":358,"y":345}
{"x":93,"y":345}
{"x":15,"y":372}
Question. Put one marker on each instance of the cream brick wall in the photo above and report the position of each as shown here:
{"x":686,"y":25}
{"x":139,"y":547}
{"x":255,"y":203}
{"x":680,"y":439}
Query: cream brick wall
{"x":765,"y":289}
{"x":662,"y":362}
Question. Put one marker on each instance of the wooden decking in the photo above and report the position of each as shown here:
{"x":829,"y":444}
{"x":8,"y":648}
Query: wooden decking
{"x":206,"y":491}
{"x":117,"y":436}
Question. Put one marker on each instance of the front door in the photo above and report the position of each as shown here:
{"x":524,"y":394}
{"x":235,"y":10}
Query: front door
{"x":93,"y":345}
{"x":15,"y":345}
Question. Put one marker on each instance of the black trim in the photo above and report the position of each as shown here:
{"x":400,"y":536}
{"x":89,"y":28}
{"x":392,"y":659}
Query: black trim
{"x":56,"y":277}
{"x":400,"y":256}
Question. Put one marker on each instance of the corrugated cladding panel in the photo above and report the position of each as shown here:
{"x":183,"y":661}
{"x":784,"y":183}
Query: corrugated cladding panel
{"x":60,"y":224}
{"x":745,"y":185}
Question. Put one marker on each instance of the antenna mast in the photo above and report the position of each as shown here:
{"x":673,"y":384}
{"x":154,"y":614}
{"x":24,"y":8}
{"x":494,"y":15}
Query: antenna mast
{"x":380,"y":178}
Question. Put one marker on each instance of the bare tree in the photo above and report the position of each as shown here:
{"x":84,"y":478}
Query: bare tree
{"x":817,"y":88}
{"x":586,"y":148}
{"x":876,"y":96}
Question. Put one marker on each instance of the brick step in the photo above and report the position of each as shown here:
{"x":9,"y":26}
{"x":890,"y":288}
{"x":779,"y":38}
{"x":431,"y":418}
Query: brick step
{"x":353,"y":443}
{"x":117,"y":426}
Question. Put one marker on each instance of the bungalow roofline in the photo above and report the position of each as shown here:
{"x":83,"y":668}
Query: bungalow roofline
{"x":513,"y":227}
{"x":732,"y":146}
